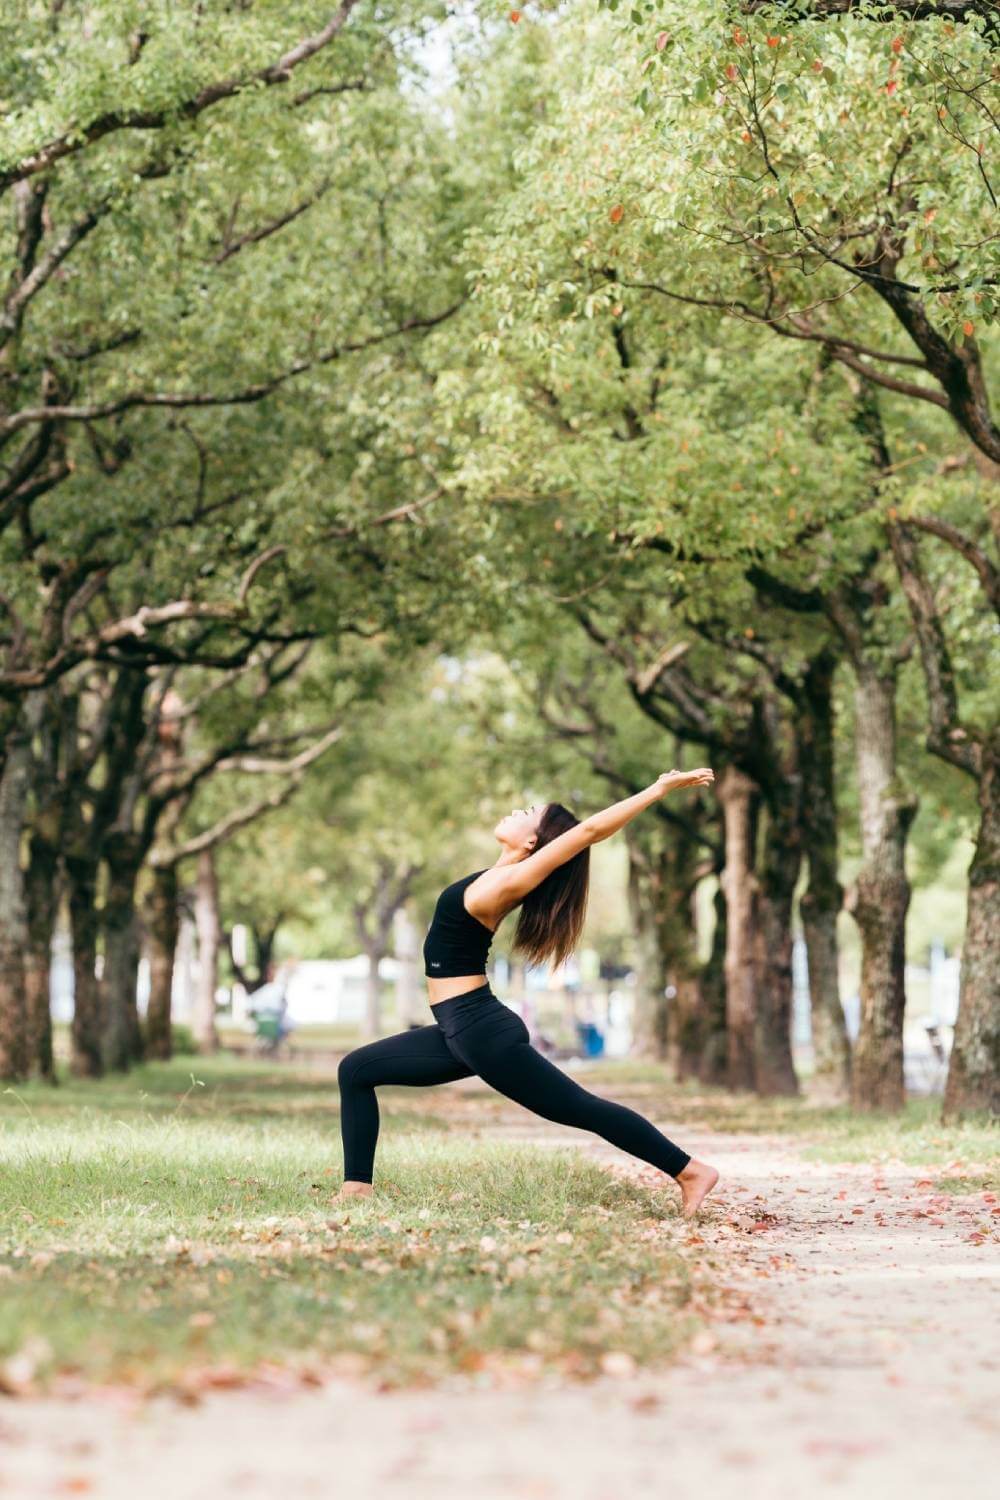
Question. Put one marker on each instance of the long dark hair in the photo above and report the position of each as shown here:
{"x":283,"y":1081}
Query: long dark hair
{"x":551,"y":916}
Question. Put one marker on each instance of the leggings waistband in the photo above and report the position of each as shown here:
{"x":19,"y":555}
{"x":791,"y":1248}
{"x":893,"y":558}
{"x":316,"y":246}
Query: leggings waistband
{"x":443,"y":1009}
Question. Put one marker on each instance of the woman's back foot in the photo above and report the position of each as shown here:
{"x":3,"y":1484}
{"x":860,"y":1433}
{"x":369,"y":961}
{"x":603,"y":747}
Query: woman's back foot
{"x":355,"y":1190}
{"x":695,"y":1182}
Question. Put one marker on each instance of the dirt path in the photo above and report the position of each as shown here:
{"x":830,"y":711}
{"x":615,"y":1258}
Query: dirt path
{"x":871,"y":1365}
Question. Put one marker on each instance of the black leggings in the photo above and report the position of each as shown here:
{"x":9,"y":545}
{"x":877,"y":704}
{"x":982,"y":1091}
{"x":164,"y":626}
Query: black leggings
{"x":475,"y":1033}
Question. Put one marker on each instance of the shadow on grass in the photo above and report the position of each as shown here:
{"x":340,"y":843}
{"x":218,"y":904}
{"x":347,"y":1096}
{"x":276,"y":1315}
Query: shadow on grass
{"x":220,"y":1087}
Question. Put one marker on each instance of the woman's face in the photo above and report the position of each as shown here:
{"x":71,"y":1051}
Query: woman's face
{"x":519,"y":828}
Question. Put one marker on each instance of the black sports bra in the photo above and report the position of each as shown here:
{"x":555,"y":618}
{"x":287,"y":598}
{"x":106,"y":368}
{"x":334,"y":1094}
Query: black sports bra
{"x":457,"y":942}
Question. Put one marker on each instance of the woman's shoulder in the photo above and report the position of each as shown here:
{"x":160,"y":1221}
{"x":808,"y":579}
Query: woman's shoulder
{"x":492,"y":900}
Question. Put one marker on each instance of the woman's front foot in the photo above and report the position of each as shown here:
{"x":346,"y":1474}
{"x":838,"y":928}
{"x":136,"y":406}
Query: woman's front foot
{"x":695,"y":1182}
{"x":355,"y":1190}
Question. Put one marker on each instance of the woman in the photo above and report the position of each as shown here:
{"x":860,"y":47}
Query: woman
{"x":544,"y":868}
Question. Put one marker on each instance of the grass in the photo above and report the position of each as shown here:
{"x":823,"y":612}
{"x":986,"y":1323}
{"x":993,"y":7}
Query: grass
{"x":177,"y":1226}
{"x":177,"y":1223}
{"x":336,"y":1037}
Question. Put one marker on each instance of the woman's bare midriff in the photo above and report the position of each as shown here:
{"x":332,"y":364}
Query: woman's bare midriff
{"x":444,"y":989}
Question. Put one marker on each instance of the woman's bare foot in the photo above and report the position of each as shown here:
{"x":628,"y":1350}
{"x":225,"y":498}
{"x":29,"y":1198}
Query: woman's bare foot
{"x":696,"y":1181}
{"x":355,"y":1190}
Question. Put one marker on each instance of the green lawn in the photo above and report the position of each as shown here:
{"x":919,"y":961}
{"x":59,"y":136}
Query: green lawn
{"x":177,"y":1225}
{"x":180,"y":1220}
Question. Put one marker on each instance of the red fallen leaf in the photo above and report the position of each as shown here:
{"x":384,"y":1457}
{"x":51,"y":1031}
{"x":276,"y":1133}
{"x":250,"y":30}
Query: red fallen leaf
{"x":891,"y":86}
{"x":761,"y":1224}
{"x":616,"y":214}
{"x":515,"y":16}
{"x":968,"y":329}
{"x":925,"y":1182}
{"x":989,"y":1197}
{"x":646,"y":1402}
{"x":773,"y":41}
{"x":897,"y":44}
{"x":857,"y":1210}
{"x":847,"y":1447}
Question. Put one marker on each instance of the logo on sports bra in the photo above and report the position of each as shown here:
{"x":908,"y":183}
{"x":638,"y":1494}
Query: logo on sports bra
{"x":435,"y":963}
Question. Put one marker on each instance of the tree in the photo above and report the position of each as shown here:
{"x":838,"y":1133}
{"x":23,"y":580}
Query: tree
{"x":138,"y":239}
{"x":602,"y":225}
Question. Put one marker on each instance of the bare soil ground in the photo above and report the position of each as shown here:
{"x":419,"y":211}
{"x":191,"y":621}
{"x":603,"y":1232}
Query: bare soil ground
{"x":861,"y":1355}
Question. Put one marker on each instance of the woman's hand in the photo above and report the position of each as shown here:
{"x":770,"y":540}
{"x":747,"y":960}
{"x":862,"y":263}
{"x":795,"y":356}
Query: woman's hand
{"x":672,"y":781}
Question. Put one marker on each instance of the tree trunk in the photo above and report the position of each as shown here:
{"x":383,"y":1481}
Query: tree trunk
{"x":778,"y":869}
{"x":14,"y":783}
{"x":740,"y":799}
{"x":163,"y":925}
{"x":822,"y":900}
{"x":122,"y":1035}
{"x":408,"y":1006}
{"x":880,"y":897}
{"x":206,"y":916}
{"x":686,"y":1015}
{"x":714,"y":1065}
{"x":373,"y":919}
{"x":673,"y":1020}
{"x":831,"y":1078}
{"x":650,"y":1016}
{"x":974,"y":1070}
{"x":373,"y":995}
{"x":87,"y":1053}
{"x":42,"y":894}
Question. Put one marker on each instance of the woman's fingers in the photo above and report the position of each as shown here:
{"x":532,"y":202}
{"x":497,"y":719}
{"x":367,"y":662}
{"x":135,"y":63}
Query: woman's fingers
{"x":702,"y":776}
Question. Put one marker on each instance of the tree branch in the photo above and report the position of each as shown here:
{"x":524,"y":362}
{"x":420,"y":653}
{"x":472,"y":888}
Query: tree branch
{"x":226,"y":826}
{"x":80,"y":136}
{"x":894,"y":10}
{"x":259,"y":766}
{"x":988,"y":574}
{"x":233,"y":247}
{"x":945,"y":737}
{"x":249,"y":394}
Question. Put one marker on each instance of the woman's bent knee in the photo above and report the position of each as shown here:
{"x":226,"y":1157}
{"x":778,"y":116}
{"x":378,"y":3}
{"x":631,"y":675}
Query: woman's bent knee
{"x":347,"y":1070}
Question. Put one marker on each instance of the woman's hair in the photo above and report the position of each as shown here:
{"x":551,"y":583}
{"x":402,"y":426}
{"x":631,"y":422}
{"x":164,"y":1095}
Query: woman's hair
{"x":551,"y":916}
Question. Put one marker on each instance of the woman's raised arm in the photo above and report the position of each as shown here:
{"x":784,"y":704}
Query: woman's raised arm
{"x":509,"y":884}
{"x":610,"y":819}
